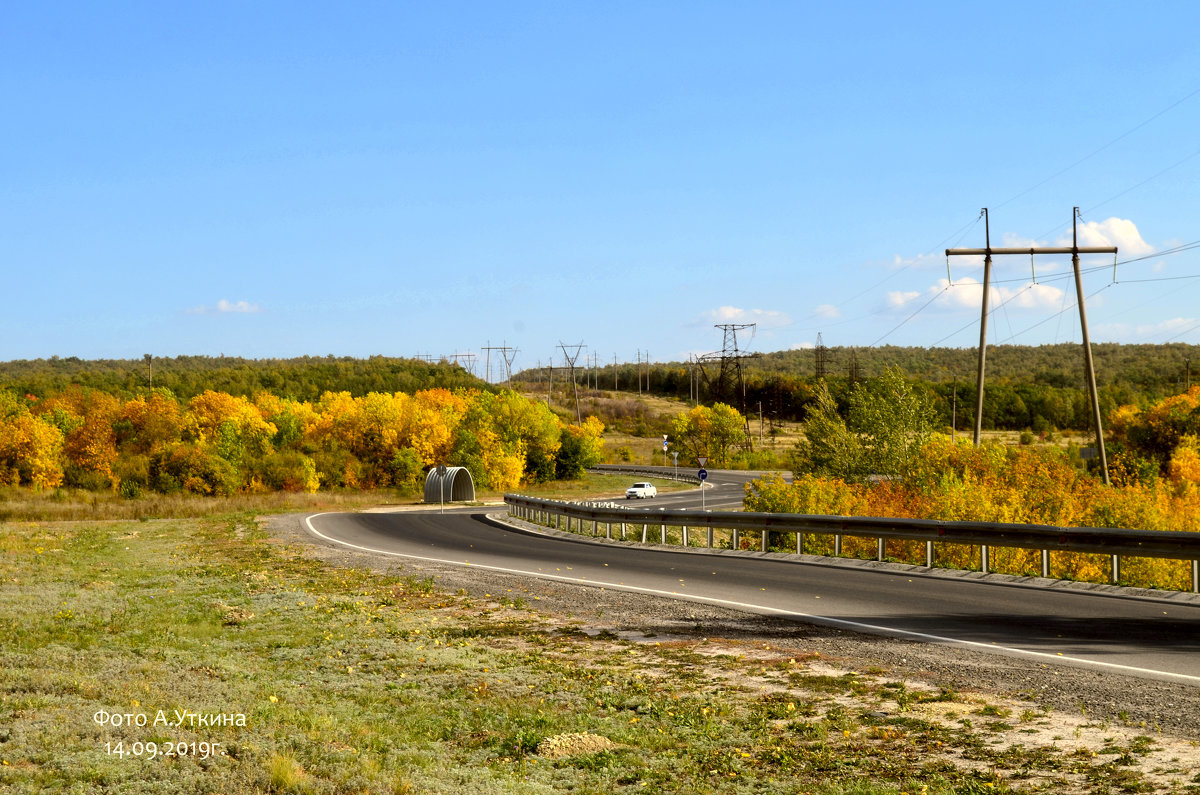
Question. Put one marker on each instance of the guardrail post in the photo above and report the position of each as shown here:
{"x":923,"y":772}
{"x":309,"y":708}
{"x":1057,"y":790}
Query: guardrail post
{"x":1160,"y":544}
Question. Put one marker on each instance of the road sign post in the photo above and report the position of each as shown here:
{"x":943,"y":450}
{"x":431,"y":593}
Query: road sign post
{"x":703,"y":475}
{"x":441,"y":471}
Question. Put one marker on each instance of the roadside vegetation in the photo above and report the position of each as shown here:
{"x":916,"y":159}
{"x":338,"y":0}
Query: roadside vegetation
{"x":279,"y":674}
{"x":884,"y":459}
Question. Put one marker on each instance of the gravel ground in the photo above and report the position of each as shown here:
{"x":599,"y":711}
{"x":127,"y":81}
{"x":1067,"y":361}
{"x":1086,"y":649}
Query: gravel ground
{"x":1166,"y":709}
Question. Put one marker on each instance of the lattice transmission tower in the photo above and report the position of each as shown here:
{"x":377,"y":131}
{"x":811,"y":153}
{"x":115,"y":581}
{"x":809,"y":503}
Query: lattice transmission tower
{"x":729,"y":383}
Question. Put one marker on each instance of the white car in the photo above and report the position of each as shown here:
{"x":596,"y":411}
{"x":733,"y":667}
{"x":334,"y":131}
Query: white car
{"x":641,"y":491}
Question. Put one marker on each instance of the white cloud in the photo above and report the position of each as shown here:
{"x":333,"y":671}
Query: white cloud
{"x":803,"y":346}
{"x":897,"y":298}
{"x":919,"y":261}
{"x":766,"y":318}
{"x":1175,"y":327}
{"x":1117,"y":232}
{"x":226,"y":307}
{"x":967,"y":293}
{"x":827,"y":311}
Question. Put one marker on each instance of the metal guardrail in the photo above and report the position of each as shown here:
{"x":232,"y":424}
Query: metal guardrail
{"x":1115,"y":542}
{"x":665,"y":473}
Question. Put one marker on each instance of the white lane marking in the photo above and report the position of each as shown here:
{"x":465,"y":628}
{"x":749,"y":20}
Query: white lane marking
{"x":775,"y":611}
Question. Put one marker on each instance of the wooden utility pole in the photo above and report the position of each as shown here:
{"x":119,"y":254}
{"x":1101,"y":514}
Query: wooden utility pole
{"x":983,"y":318}
{"x":1074,"y":250}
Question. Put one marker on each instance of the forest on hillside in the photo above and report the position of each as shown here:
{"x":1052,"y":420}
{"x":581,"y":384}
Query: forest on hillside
{"x":1027,"y":387}
{"x":303,"y":378}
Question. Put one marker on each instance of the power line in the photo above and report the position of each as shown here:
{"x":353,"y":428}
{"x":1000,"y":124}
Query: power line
{"x":910,"y":317}
{"x":1095,"y":152}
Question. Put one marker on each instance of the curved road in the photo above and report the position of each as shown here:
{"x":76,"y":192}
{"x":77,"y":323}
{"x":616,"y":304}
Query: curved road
{"x":1144,"y":637}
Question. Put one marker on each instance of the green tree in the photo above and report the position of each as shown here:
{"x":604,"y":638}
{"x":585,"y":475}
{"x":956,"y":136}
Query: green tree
{"x":893,"y":421}
{"x":828,"y":447}
{"x":887,"y":423}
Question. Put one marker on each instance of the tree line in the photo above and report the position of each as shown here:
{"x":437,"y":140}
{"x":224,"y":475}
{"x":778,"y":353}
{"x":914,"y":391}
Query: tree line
{"x":1039,"y":388}
{"x":302,"y":378}
{"x":218,"y":443}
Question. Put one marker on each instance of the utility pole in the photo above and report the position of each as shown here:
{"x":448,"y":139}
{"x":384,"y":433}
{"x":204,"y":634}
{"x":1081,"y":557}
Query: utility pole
{"x":983,"y":318}
{"x":1087,"y":345}
{"x":571,"y":363}
{"x":954,"y":414}
{"x":1074,"y":250}
{"x":508,"y":360}
{"x":470,"y":358}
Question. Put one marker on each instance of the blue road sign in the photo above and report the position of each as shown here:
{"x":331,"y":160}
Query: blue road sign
{"x":702,"y":474}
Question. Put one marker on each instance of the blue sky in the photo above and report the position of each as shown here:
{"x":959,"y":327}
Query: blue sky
{"x":280,"y":179}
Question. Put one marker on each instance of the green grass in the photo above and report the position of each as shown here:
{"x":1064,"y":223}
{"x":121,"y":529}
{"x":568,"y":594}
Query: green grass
{"x":332,"y":680}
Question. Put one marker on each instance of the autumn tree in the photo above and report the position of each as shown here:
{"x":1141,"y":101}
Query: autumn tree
{"x":710,"y":432}
{"x":582,"y":447}
{"x":1148,"y":440}
{"x":149,"y":422}
{"x":529,"y":430}
{"x":30,"y":452}
{"x":86,"y":419}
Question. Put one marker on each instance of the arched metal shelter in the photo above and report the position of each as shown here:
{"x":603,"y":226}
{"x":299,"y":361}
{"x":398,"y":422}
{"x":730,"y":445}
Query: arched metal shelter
{"x":456,"y":485}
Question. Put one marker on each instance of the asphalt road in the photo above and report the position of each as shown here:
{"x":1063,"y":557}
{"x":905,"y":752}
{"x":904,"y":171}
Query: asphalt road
{"x":1152,"y":638}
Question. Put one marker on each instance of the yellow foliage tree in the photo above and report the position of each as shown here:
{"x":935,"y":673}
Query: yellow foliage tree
{"x":152,"y":421}
{"x":30,"y":452}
